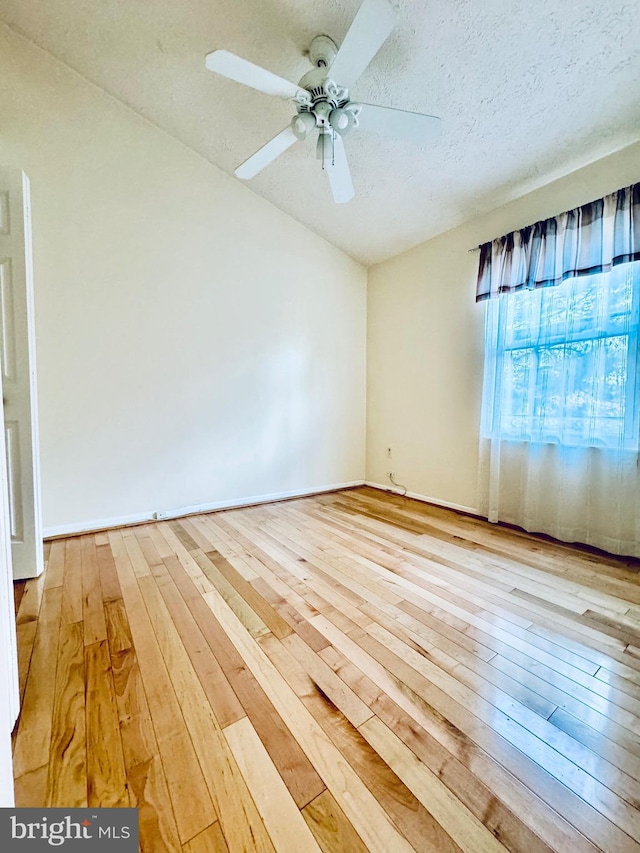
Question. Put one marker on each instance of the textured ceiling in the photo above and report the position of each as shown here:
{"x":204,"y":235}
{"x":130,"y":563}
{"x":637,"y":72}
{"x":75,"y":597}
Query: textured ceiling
{"x":527,"y":89}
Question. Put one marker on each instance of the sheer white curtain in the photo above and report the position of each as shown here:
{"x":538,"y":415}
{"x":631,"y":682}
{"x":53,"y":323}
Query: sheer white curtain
{"x":560,"y":428}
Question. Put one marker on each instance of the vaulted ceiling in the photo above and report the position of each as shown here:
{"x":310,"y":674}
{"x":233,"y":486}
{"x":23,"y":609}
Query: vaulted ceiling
{"x":528,"y":90}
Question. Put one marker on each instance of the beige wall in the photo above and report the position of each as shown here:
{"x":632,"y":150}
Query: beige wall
{"x":425,"y":341}
{"x":195,"y":345}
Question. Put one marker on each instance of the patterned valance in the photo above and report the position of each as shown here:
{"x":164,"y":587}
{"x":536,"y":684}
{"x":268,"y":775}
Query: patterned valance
{"x":587,"y":240}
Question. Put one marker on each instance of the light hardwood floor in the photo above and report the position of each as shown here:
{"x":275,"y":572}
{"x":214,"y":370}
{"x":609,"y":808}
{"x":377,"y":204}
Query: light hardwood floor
{"x":347,"y":672}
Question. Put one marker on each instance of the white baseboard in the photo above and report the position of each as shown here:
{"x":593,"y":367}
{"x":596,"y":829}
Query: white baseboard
{"x":96,"y":524}
{"x":179,"y":512}
{"x":470,"y":510}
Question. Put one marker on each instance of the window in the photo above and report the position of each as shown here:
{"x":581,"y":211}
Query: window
{"x":562,"y":362}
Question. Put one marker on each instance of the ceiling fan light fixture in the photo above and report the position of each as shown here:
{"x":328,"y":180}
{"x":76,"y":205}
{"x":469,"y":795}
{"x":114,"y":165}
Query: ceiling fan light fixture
{"x":341,"y":121}
{"x":302,"y":124}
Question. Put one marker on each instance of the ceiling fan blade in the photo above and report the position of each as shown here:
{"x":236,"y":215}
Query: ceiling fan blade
{"x":238,"y":69}
{"x":416,"y":127}
{"x":368,"y":31}
{"x":267,"y":154}
{"x":337,"y":168}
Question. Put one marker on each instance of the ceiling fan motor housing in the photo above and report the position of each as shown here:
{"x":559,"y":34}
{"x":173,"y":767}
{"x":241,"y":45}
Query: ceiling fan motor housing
{"x":322,"y":51}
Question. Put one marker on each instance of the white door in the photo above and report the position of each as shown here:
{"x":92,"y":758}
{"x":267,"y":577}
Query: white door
{"x":17,"y":356}
{"x":9,"y":689}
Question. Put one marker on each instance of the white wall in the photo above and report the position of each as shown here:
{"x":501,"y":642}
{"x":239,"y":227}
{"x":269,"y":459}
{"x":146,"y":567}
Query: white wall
{"x":425,"y":341}
{"x":195,"y":345}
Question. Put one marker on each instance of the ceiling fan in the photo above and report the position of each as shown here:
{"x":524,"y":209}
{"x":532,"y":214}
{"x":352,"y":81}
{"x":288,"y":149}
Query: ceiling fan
{"x":322,"y":98}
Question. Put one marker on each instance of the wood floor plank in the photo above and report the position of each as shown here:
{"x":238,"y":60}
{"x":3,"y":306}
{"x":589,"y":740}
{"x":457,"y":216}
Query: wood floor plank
{"x":149,"y":794}
{"x":240,"y":606}
{"x":324,"y":678}
{"x":597,"y":742}
{"x":72,"y":582}
{"x":27,"y":614}
{"x":349,"y":671}
{"x":106,"y":779}
{"x":30,"y":789}
{"x":548,"y":745}
{"x":466,"y":668}
{"x":331,"y":827}
{"x":582,"y":783}
{"x":192,"y":525}
{"x":18,"y":592}
{"x":286,"y":581}
{"x":109,"y":583}
{"x":160,"y":544}
{"x":490,"y":792}
{"x":579,"y":705}
{"x":278,"y":810}
{"x":146,"y":778}
{"x":369,"y":820}
{"x":465,"y":829}
{"x":562,"y":662}
{"x":299,"y":775}
{"x":228,"y":791}
{"x":55,"y":564}
{"x":416,"y":822}
{"x":550,"y":671}
{"x":272,"y":620}
{"x":601,"y":648}
{"x":294,"y":576}
{"x":31,"y":599}
{"x":594,"y":571}
{"x":117,"y":626}
{"x":191,"y":801}
{"x":224,"y":702}
{"x":67,"y":770}
{"x":210,"y":840}
{"x":25,"y":639}
{"x":33,"y":734}
{"x":346,"y":570}
{"x":603,"y":635}
{"x":95,"y":628}
{"x":181,"y":531}
{"x":544,"y":784}
{"x":420,"y":570}
{"x":540,"y":608}
{"x":147,"y":545}
{"x":624,"y":684}
{"x":177,"y":549}
{"x":530,"y":577}
{"x":138,"y":560}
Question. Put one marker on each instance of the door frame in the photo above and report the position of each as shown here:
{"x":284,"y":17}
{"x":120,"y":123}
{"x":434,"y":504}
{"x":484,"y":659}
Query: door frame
{"x":9,"y":683}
